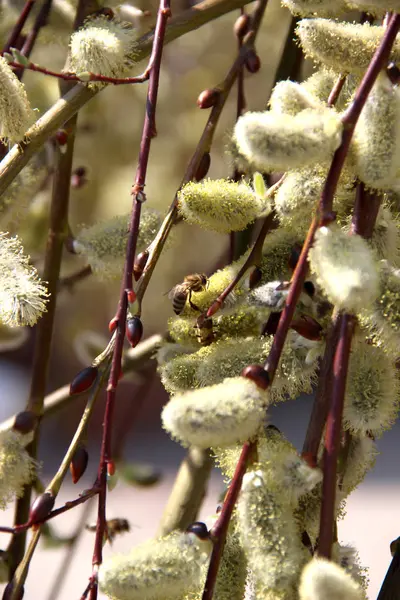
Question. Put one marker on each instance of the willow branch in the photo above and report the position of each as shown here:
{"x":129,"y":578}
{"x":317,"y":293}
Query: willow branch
{"x":19,"y":25}
{"x":75,"y":99}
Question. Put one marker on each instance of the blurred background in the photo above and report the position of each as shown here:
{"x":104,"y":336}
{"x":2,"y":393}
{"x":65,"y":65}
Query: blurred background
{"x":107,"y":143}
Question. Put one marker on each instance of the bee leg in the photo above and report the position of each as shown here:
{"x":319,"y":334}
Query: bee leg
{"x":192,"y":303}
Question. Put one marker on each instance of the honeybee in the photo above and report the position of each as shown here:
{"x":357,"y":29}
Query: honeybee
{"x":114,"y":527}
{"x":196,"y":282}
{"x":204,"y":329}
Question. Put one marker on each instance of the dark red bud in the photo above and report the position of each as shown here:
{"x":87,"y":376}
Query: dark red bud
{"x":41,"y":508}
{"x":253,"y":62}
{"x":255,"y":277}
{"x":112,"y":326}
{"x":199,"y":529}
{"x":307,"y":327}
{"x":131,"y":296}
{"x":203,"y":167}
{"x":25,"y":421}
{"x":62,"y":137}
{"x":241,"y":26}
{"x":258,"y":374}
{"x":140,"y":264}
{"x":111,"y":468}
{"x":78,"y":177}
{"x":208,"y":98}
{"x":327,"y":219}
{"x":83,"y":381}
{"x":80,"y":171}
{"x":134,"y":331}
{"x":270,"y":327}
{"x":79,"y":463}
{"x":7,"y":594}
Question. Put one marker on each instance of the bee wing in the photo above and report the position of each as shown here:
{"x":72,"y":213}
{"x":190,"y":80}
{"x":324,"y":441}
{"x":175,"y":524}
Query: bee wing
{"x":173,"y":290}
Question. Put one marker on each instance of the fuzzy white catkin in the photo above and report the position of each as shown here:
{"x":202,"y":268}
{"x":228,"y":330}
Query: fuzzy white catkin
{"x":323,"y":8}
{"x":269,"y":533}
{"x":278,"y":142}
{"x":163,"y":569}
{"x":345,"y":268}
{"x":322,"y":579}
{"x":219,"y":205}
{"x":376,"y":141}
{"x":102,"y":46}
{"x":16,"y":466}
{"x":222,"y":414}
{"x":22,"y":295}
{"x":291,"y":98}
{"x":16,"y":114}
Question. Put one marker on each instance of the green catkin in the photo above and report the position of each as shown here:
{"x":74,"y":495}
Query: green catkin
{"x":276,"y":253}
{"x":382,"y":322}
{"x":376,"y":141}
{"x":344,"y":47}
{"x":385,"y":238}
{"x":16,"y":466}
{"x":289,"y":97}
{"x":219,"y":205}
{"x":345,"y":268}
{"x":104,"y":243}
{"x":372,"y":391}
{"x":321,"y":83}
{"x":322,"y":8}
{"x":361,"y":457}
{"x":325,"y":580}
{"x":179,"y":373}
{"x":163,"y":569}
{"x":278,"y":142}
{"x":232,"y":411}
{"x":269,"y":534}
{"x":102,"y":46}
{"x":16,"y":114}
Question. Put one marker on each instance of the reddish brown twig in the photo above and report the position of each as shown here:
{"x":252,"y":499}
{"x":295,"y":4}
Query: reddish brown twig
{"x":138,"y":199}
{"x":19,"y":25}
{"x":219,"y":531}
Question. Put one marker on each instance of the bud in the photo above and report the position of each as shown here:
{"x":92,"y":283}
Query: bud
{"x":258,"y":375}
{"x":102,"y":46}
{"x":104,"y":244}
{"x":322,"y":578}
{"x":25,"y":422}
{"x":42,"y":507}
{"x":241,"y":26}
{"x":219,"y":205}
{"x":307,"y":327}
{"x":252,"y":62}
{"x":199,"y":529}
{"x":220,"y":415}
{"x":113,"y":324}
{"x":79,"y":463}
{"x":16,"y":114}
{"x":278,"y":142}
{"x":345,"y":268}
{"x":83,"y":381}
{"x":111,"y":468}
{"x":134,"y":331}
{"x":203,"y":167}
{"x":344,"y":47}
{"x":78,"y":178}
{"x":376,"y":141}
{"x":61,"y":137}
{"x":140,"y":263}
{"x":208,"y":98}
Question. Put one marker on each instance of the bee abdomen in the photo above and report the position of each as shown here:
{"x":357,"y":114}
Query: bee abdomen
{"x":178,"y":302}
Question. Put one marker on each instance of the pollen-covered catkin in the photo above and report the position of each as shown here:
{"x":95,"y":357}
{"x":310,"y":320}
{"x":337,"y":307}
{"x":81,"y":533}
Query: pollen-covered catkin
{"x":361,"y":458}
{"x":22,"y":294}
{"x":375,"y":7}
{"x":323,"y":8}
{"x":345,"y":268}
{"x":16,"y":466}
{"x":322,"y":579}
{"x":279,"y":142}
{"x":345,"y":47}
{"x":16,"y":114}
{"x":222,"y":414}
{"x":372,"y":391}
{"x":219,"y":205}
{"x":376,"y":142}
{"x":102,"y":46}
{"x":104,"y":243}
{"x":269,"y":534}
{"x":162,"y":569}
{"x":291,"y":98}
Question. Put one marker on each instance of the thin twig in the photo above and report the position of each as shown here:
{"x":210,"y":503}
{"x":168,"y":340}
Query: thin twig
{"x":19,"y":25}
{"x":138,"y":199}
